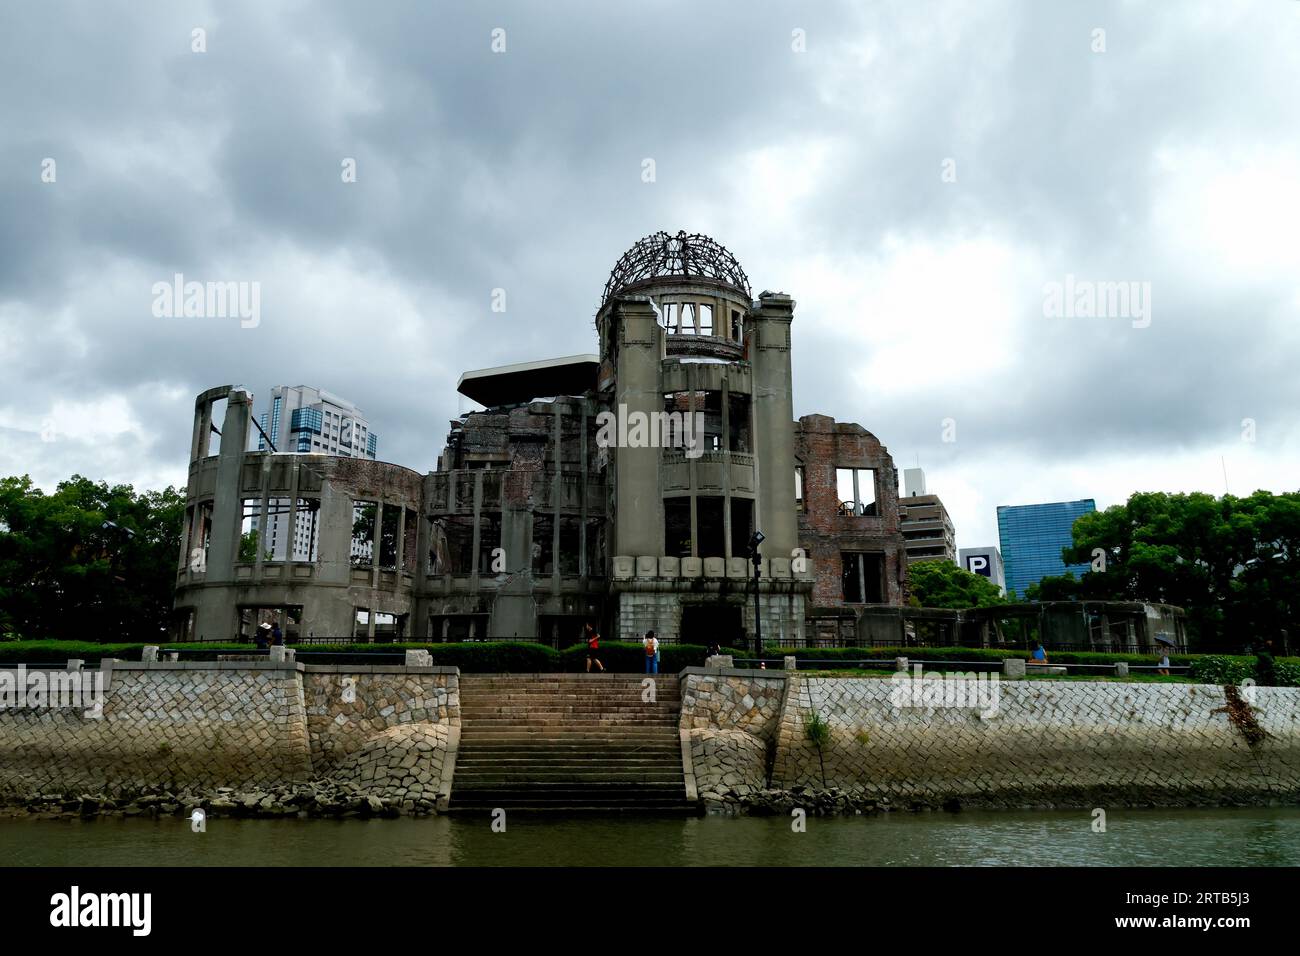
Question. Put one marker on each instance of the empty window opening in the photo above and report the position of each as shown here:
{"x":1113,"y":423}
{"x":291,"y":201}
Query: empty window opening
{"x":738,"y":422}
{"x":251,"y":538}
{"x":742,"y":518}
{"x":390,"y":522}
{"x":863,"y":575}
{"x":708,"y":518}
{"x":856,"y":488}
{"x":363,"y":533}
{"x":677,"y":527}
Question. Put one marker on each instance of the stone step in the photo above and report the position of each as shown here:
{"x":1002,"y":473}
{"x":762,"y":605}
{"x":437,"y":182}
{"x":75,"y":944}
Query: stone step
{"x":549,"y":707}
{"x":566,"y":790}
{"x":493,"y":760}
{"x":629,"y":721}
{"x":547,"y":700}
{"x":576,"y":755}
{"x":580,"y":734}
{"x":537,"y":779}
{"x":576,"y":808}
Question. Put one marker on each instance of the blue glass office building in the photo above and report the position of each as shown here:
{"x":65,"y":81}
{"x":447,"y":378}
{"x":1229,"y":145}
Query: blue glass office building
{"x":1032,"y":537}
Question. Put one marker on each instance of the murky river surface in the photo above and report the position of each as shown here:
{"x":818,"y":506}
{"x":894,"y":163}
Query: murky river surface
{"x":1224,"y":837}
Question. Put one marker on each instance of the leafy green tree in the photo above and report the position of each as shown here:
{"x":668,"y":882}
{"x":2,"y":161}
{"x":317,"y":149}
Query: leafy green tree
{"x":1232,"y":563}
{"x":942,"y":584}
{"x":89,"y":561}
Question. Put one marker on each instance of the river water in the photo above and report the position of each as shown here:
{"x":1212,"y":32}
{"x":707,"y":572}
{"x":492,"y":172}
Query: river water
{"x":1222,"y":837}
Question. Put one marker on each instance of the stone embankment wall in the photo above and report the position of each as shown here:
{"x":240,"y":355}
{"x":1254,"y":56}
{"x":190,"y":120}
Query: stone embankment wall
{"x":391,"y":731}
{"x":729,"y":724}
{"x":1042,"y":743}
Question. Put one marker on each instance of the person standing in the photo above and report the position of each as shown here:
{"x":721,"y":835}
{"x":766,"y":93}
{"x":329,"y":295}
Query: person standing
{"x":593,"y":646}
{"x":277,"y":636}
{"x":651,"y":653}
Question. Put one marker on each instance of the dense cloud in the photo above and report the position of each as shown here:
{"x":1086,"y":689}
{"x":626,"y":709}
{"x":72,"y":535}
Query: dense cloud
{"x":1170,"y":158}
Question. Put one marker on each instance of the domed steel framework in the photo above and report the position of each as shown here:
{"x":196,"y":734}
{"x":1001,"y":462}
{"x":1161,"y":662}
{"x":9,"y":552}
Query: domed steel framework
{"x":685,"y":254}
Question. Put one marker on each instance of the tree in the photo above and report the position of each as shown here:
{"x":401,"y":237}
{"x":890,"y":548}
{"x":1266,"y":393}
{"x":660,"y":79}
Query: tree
{"x":89,"y":561}
{"x":1232,"y":563}
{"x":942,"y":584}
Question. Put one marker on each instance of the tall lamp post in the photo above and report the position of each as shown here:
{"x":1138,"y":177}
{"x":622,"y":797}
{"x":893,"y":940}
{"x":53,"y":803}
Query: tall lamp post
{"x":757,"y":559}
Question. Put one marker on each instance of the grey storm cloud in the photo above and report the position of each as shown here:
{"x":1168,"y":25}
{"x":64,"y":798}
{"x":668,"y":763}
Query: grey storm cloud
{"x":522,"y":171}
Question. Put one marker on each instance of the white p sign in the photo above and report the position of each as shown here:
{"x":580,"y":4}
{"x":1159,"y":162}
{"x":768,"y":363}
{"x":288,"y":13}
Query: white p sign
{"x":978,"y":564}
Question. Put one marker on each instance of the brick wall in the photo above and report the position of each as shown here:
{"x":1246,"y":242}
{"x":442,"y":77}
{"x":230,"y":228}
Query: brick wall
{"x":821,"y":446}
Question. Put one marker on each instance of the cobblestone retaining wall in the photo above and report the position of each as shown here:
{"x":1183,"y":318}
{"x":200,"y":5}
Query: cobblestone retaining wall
{"x":392,"y":731}
{"x":345,"y":708}
{"x":1041,"y":743}
{"x":730,"y":720}
{"x":1045,"y":743}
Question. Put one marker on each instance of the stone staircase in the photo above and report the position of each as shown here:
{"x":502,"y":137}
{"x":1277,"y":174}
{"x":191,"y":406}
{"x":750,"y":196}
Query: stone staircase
{"x":568,"y":742}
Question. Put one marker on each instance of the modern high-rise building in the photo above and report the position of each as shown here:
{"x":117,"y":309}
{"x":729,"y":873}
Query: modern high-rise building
{"x":308,"y":420}
{"x":986,"y":562}
{"x":928,"y":533}
{"x":1032,"y":537}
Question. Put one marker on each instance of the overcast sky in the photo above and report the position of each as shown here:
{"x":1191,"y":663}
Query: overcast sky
{"x":913,"y":173}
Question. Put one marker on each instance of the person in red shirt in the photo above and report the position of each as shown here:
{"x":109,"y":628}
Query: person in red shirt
{"x":593,"y":645}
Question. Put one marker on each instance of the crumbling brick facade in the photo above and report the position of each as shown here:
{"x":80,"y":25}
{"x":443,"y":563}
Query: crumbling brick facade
{"x":827,"y":527}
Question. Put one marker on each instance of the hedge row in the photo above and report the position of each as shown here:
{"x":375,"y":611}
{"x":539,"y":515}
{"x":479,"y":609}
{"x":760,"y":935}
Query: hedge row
{"x":1205,"y":668}
{"x":989,"y":654}
{"x":471,"y":658}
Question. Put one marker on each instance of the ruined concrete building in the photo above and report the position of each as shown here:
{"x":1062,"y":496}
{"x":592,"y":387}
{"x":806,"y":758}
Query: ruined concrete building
{"x":622,"y":487}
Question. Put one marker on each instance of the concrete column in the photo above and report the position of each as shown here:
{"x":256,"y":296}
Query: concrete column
{"x":376,"y":536}
{"x":691,"y":382}
{"x":215,"y":610}
{"x":476,"y":538}
{"x":773,"y":423}
{"x":263,"y":508}
{"x":401,"y":543}
{"x":557,"y":493}
{"x":292,"y":518}
{"x":726,"y":471}
{"x":638,"y":519}
{"x":583,"y":571}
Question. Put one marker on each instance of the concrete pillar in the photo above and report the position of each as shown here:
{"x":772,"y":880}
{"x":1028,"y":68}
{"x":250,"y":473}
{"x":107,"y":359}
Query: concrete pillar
{"x":149,"y":654}
{"x":638,"y":517}
{"x":773,"y":428}
{"x":1121,"y":668}
{"x":1013,"y":667}
{"x":215,"y":611}
{"x":376,"y":537}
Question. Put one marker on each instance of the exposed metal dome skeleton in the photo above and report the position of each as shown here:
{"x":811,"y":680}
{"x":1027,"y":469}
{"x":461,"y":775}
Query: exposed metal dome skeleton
{"x":685,"y":254}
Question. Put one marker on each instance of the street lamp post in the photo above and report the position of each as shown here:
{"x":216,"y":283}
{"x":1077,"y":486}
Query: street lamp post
{"x":757,"y":559}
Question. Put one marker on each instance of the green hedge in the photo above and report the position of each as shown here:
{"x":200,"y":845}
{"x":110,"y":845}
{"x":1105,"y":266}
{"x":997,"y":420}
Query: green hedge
{"x":1223,"y":669}
{"x":472,"y":658}
{"x":991,"y":655}
{"x":58,"y":652}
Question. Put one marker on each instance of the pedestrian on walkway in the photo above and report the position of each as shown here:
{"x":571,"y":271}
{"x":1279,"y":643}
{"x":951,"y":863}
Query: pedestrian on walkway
{"x":651,"y":653}
{"x":593,"y":645}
